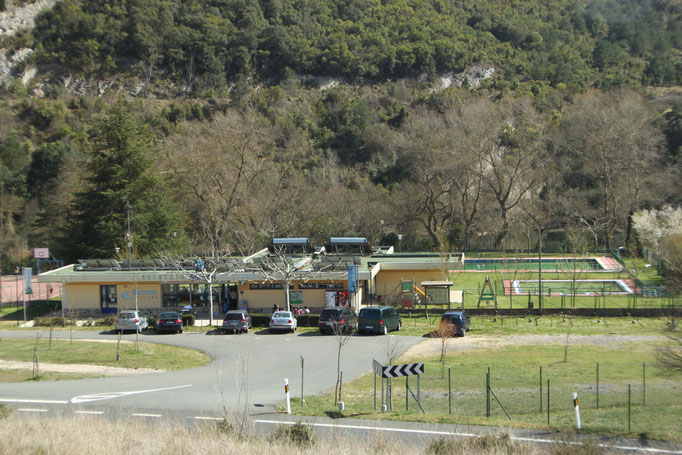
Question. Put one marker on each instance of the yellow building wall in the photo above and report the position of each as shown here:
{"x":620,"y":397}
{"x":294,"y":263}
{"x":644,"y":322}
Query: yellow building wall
{"x":263,"y":300}
{"x":81,"y":296}
{"x":86,"y":296}
{"x":388,"y":280}
{"x":148,"y":295}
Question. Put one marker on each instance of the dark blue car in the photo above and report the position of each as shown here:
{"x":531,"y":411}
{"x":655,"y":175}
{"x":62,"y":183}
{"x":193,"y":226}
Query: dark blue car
{"x":459,"y":321}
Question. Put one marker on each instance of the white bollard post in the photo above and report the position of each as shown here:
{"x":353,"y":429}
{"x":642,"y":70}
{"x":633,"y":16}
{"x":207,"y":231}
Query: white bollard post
{"x":286,"y":392}
{"x":577,"y":411}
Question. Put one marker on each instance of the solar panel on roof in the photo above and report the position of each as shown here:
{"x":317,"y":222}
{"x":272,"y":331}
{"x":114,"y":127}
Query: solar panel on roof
{"x":290,"y":241}
{"x":348,"y":240}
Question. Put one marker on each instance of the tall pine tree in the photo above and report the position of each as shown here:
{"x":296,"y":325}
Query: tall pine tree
{"x":121,"y":171}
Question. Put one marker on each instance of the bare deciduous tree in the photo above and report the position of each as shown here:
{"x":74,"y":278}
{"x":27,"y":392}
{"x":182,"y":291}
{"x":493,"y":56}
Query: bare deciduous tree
{"x":609,"y":145}
{"x":342,"y":338}
{"x":444,"y":332}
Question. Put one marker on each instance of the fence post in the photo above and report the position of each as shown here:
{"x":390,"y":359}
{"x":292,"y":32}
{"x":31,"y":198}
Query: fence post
{"x":540,"y":388}
{"x":449,"y":392}
{"x":375,"y":390}
{"x":629,"y":403}
{"x":643,"y":383}
{"x":548,"y":402}
{"x":487,"y":393}
{"x":302,"y":380}
{"x":597,"y":385}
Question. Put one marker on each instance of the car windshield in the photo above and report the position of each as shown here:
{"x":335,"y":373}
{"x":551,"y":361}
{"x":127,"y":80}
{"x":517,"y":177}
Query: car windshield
{"x":326,"y":314}
{"x":370,"y":313}
{"x":234,"y":317}
{"x":168,"y":316}
{"x":126,"y":315}
{"x":282,"y":314}
{"x":454,"y":318}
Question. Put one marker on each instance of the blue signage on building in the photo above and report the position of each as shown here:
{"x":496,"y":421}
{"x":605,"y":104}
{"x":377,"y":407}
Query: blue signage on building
{"x":352,"y":278}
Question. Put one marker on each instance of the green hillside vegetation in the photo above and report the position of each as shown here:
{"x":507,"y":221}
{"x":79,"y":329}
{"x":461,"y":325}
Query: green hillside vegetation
{"x":229,"y":143}
{"x":206,"y":44}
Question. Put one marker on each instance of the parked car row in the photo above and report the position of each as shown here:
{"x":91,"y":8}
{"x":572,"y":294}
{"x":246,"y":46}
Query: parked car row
{"x":337,"y":320}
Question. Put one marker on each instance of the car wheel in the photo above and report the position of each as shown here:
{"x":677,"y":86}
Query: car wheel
{"x":179,"y":330}
{"x":385,"y":330}
{"x":399,"y":324}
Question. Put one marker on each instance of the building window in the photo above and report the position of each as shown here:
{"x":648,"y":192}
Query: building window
{"x":259,"y":286}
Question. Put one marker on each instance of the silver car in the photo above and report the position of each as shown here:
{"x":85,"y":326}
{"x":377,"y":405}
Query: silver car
{"x":283,"y":321}
{"x":130,"y":320}
{"x":237,"y":321}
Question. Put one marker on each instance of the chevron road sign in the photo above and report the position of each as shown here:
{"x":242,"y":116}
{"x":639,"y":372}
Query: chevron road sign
{"x":409,"y":369}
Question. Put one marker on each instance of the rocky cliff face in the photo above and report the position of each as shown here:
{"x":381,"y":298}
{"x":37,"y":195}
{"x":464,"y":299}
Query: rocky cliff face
{"x":11,"y":22}
{"x":20,"y":18}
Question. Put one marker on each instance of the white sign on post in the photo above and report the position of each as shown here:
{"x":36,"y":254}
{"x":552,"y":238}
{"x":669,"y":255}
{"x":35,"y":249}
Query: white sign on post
{"x":27,"y":274}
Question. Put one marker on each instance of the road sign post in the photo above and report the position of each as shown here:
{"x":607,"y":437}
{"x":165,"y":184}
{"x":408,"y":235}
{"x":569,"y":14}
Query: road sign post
{"x":286,"y":393}
{"x":396,"y":371}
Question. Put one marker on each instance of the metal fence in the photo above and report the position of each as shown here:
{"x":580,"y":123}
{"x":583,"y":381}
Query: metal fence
{"x":609,"y":398}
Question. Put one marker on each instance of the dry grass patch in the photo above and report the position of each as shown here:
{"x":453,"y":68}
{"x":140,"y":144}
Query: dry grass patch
{"x":95,"y":435}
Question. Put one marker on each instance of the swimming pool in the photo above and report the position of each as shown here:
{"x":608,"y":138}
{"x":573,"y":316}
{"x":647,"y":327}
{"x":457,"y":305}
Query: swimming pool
{"x":571,"y":287}
{"x":552,"y":264}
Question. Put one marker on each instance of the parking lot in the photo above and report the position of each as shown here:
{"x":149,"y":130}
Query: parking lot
{"x":247,"y":369}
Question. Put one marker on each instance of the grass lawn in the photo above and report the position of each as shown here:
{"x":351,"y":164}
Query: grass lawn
{"x":472,"y":282}
{"x":150,"y":355}
{"x":26,"y":375}
{"x":12,"y":313}
{"x":418,"y":325}
{"x":515,"y":379}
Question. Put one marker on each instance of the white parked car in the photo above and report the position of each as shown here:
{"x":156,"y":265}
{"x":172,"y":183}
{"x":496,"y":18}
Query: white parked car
{"x":130,"y":320}
{"x":283,"y":321}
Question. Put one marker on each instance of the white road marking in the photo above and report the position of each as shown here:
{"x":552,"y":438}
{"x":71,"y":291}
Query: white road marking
{"x":467,"y":435}
{"x":146,"y":415}
{"x":110,"y":395}
{"x":16,"y":400}
{"x":206,"y":418}
{"x":31,"y":410}
{"x":90,"y":412}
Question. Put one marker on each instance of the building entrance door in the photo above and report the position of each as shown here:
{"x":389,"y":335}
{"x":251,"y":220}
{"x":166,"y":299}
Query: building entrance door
{"x":108,"y":300}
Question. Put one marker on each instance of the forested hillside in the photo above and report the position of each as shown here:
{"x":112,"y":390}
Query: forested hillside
{"x":207,"y":122}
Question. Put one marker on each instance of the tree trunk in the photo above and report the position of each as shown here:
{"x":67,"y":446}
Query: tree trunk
{"x":210,"y":304}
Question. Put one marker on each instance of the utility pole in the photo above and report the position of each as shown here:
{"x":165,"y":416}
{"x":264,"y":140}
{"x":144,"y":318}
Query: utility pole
{"x":129,"y":238}
{"x":540,"y":268}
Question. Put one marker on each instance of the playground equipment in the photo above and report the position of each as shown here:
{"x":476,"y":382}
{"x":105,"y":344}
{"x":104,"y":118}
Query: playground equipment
{"x":431,"y":293}
{"x":487,"y":293}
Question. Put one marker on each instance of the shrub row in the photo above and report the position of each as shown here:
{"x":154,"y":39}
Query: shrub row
{"x":50,"y":321}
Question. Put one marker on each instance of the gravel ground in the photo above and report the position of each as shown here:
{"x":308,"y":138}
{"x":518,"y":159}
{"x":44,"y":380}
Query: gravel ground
{"x":432,"y":346}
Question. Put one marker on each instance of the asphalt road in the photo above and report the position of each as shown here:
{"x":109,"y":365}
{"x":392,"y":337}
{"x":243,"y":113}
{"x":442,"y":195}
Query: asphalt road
{"x":246,"y":375}
{"x":247,"y":371}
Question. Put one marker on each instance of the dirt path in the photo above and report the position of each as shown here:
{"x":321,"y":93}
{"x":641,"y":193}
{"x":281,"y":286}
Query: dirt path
{"x":76,"y":368}
{"x":432,"y":346}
